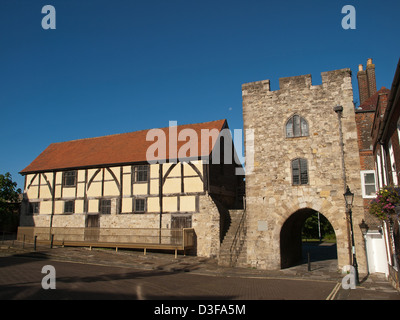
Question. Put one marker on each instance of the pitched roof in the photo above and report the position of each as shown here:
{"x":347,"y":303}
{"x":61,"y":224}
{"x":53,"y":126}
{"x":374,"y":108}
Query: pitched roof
{"x":370,"y":103}
{"x":113,"y":149}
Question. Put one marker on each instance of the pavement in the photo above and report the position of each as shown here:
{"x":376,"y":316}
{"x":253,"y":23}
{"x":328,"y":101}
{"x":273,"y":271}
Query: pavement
{"x":372,"y":287}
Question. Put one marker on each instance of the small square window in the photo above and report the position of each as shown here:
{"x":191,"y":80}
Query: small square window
{"x":140,"y":205}
{"x":69,"y":207}
{"x":105,"y":206}
{"x":141,"y":173}
{"x":34,"y":207}
{"x":69,"y":179}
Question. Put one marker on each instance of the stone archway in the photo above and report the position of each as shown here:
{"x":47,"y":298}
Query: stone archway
{"x":291,"y":238}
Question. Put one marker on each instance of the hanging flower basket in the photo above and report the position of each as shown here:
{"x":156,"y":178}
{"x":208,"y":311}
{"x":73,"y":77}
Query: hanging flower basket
{"x":384,"y":205}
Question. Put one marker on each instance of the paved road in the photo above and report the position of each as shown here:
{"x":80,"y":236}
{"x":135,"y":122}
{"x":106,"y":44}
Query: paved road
{"x":21,"y":278}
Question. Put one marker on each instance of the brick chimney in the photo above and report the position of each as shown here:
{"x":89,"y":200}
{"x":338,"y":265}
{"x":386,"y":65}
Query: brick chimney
{"x":366,"y":81}
{"x":371,"y":77}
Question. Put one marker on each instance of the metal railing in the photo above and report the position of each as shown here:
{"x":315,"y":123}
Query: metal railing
{"x":7,"y":237}
{"x":136,"y":237}
{"x":238,"y":240}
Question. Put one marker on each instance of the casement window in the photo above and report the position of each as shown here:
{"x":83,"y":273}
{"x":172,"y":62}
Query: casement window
{"x":392,"y":164}
{"x":105,"y":206}
{"x":398,"y":129}
{"x":368,"y":183}
{"x":141,"y":173}
{"x":296,"y":126}
{"x":378,"y":167}
{"x":69,"y":206}
{"x":384,"y":172}
{"x":299,"y":172}
{"x":69,"y":179}
{"x":33,"y":208}
{"x":139,"y":205}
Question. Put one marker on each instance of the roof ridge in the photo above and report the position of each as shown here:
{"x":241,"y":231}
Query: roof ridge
{"x":372,"y":100}
{"x":130,"y":132}
{"x":128,"y":147}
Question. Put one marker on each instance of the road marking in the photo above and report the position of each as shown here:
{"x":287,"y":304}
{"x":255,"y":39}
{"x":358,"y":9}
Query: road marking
{"x":139,"y":293}
{"x":262,"y":277}
{"x":333,"y":293}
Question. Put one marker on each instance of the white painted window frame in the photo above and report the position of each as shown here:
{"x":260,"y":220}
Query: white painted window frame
{"x":379,"y":170}
{"x":362,"y":173}
{"x":392,"y":164}
{"x":383,"y":154}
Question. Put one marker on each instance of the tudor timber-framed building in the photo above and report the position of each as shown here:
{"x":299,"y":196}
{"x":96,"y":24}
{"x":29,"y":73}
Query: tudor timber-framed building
{"x":108,"y":182}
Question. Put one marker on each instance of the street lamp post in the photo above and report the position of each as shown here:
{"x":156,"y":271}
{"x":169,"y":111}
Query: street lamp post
{"x":349,"y":197}
{"x":364,"y":227}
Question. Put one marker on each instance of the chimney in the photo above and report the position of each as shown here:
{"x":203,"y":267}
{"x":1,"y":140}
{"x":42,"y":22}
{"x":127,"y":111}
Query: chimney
{"x":371,"y":77}
{"x":362,"y":84}
{"x":366,"y":81}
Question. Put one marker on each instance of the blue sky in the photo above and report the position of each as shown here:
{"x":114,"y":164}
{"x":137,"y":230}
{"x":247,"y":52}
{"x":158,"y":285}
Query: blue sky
{"x":124,"y":65}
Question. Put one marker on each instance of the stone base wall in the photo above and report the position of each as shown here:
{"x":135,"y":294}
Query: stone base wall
{"x":206,"y":223}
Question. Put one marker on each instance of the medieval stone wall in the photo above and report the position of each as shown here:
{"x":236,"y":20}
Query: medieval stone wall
{"x":271,"y":196}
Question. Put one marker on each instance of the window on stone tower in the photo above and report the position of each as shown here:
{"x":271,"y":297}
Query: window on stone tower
{"x":296,"y":126}
{"x":299,"y":172}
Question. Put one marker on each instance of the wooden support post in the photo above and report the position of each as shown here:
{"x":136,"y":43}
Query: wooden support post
{"x":144,"y":251}
{"x":176,"y":253}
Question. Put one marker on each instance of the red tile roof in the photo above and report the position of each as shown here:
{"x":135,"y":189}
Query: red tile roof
{"x":370,"y":103}
{"x":115,"y":149}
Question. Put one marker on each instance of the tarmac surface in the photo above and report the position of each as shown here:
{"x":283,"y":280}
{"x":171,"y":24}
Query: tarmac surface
{"x":372,"y":287}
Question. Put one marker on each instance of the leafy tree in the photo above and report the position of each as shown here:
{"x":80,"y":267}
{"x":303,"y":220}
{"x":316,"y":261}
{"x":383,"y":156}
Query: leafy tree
{"x":310,"y":228}
{"x":9,"y":199}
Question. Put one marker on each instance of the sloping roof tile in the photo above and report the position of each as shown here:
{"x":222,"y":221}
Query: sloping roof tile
{"x":111,"y":150}
{"x":370,"y":103}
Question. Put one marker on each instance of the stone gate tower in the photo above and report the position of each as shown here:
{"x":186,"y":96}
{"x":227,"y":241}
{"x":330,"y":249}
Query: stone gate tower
{"x":305,"y":153}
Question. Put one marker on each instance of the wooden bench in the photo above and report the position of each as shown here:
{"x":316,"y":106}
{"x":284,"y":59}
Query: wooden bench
{"x":116,"y":245}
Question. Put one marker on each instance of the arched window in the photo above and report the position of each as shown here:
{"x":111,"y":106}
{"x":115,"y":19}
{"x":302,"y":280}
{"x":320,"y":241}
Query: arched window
{"x":296,"y":126}
{"x":299,"y":171}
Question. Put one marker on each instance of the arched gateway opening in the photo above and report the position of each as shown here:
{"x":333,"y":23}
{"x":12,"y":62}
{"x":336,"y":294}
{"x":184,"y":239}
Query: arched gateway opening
{"x":294,"y":250}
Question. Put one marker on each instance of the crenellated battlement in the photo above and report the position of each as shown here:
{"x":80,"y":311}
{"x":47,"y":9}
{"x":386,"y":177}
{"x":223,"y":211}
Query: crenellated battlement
{"x":329,"y":78}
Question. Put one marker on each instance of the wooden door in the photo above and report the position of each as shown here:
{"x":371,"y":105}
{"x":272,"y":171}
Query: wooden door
{"x":92,"y":230}
{"x":177,"y":224}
